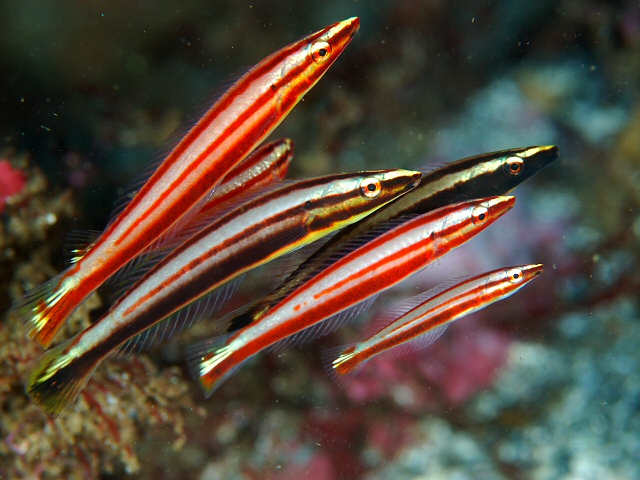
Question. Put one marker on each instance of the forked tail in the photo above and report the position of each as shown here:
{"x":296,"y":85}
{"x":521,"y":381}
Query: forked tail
{"x":55,"y":380}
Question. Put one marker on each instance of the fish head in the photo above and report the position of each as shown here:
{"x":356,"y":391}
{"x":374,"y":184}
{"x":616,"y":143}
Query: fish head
{"x":488,"y":174}
{"x":520,"y":164}
{"x":375,"y":189}
{"x":509,"y":280}
{"x":304,"y":62}
{"x":464,"y":220}
{"x":350,"y":197}
{"x":524,"y":274}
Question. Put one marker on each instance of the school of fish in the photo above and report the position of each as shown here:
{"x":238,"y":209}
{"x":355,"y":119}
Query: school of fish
{"x":217,"y":206}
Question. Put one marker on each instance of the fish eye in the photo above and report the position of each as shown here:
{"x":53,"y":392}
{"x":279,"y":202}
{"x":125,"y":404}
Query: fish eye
{"x":320,"y":52}
{"x":515,"y":275}
{"x":479,"y":215}
{"x":371,"y":187}
{"x":514,"y":165}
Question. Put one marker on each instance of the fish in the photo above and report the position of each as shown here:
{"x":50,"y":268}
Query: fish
{"x":485,"y":175}
{"x":260,"y":228}
{"x":419,"y":321}
{"x":344,"y":284}
{"x":230,"y":130}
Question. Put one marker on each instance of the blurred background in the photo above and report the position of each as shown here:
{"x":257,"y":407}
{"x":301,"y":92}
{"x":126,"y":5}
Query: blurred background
{"x":543,"y":385}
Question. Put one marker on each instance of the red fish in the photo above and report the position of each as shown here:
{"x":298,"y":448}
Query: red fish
{"x":419,"y":321}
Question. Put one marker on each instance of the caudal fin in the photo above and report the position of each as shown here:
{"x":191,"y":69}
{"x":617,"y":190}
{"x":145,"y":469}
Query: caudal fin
{"x":55,"y":380}
{"x":210,"y":363}
{"x":342,"y":364}
{"x":44,"y":309}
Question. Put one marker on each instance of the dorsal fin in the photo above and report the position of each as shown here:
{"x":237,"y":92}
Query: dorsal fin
{"x":322,"y":261}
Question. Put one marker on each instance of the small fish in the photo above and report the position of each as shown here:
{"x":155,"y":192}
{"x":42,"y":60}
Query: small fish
{"x":486,"y":175}
{"x":419,"y":321}
{"x":343,"y":284}
{"x":222,"y":138}
{"x":259,"y":229}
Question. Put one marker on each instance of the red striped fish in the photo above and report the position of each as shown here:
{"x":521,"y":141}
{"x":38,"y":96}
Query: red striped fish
{"x":373,"y":267}
{"x":419,"y":321}
{"x":230,"y":130}
{"x":257,"y":231}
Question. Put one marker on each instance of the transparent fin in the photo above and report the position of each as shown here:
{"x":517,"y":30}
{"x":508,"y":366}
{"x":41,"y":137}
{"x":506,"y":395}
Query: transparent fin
{"x":340,"y":363}
{"x":404,"y":307}
{"x":207,"y":363}
{"x":181,"y":320}
{"x":325,"y":326}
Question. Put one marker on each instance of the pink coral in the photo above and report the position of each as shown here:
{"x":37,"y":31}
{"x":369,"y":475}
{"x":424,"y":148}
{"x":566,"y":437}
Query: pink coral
{"x":12,"y":181}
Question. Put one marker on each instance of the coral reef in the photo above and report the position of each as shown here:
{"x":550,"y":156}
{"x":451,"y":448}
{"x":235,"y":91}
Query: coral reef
{"x":126,"y":401}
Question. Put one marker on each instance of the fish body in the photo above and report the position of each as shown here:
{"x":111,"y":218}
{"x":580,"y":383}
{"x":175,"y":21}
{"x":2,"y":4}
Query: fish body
{"x":419,"y":321}
{"x":258,"y":230}
{"x":358,"y":275}
{"x":489,"y":174}
{"x":221,"y":139}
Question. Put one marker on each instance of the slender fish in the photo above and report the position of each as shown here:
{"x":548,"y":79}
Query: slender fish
{"x":343,"y":284}
{"x":230,"y":130}
{"x":258,"y":230}
{"x":419,"y":321}
{"x":485,"y":175}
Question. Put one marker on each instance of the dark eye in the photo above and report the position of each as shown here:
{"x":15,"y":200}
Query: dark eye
{"x":514,"y":165}
{"x":320,"y":52}
{"x":371,"y":187}
{"x":515,"y":275}
{"x":479,"y":215}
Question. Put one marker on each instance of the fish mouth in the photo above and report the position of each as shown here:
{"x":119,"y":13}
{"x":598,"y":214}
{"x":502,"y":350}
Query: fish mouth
{"x":542,"y":156}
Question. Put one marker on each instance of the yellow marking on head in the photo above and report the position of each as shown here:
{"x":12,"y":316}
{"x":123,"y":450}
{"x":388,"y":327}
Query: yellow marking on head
{"x":533,"y":151}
